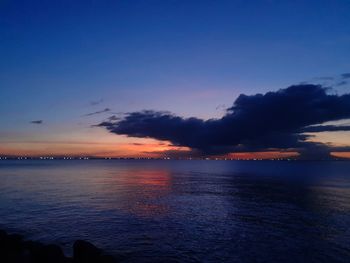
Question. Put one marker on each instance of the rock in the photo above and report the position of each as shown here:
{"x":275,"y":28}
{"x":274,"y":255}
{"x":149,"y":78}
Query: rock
{"x":33,"y":246}
{"x":14,"y":250}
{"x":11,"y":249}
{"x":14,"y":238}
{"x":13,"y":242}
{"x":54,"y":254}
{"x":34,"y":250}
{"x":40,"y":253}
{"x":106,"y":259}
{"x":85,"y":252}
{"x":3,"y":241}
{"x":3,"y":234}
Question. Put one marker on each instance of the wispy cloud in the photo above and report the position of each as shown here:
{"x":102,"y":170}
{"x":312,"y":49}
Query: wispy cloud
{"x":345,"y":75}
{"x":37,"y":122}
{"x":97,"y":112}
{"x":221,"y":107}
{"x":96,"y":102}
{"x":326,"y":128}
{"x":113,"y":118}
{"x":325,"y":78}
{"x":341,"y":83}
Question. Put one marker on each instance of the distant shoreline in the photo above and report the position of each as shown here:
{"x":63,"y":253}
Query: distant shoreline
{"x":53,"y":158}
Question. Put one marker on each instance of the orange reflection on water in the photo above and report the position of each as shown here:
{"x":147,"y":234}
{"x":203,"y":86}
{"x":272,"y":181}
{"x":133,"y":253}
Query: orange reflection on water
{"x":141,"y":192}
{"x":147,"y":189}
{"x":159,"y":178}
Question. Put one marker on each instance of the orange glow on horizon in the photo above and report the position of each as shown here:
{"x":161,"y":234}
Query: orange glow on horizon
{"x":139,"y":148}
{"x":341,"y":154}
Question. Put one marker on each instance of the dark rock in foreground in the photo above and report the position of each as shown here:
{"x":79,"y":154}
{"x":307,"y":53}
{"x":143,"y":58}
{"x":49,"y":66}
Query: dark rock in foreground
{"x":85,"y":252}
{"x":13,"y":249}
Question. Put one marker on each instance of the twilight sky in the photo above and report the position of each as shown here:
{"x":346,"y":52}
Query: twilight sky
{"x":74,"y":74}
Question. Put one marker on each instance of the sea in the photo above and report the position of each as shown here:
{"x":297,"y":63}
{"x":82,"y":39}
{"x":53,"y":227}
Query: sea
{"x":183,"y":210}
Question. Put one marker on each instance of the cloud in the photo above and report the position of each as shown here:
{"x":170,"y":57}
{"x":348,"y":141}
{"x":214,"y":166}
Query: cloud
{"x":330,"y":81}
{"x":220,"y":107}
{"x":325,"y":128}
{"x":342,"y":83}
{"x":325,"y":78}
{"x":37,"y":122}
{"x":113,"y":118}
{"x":97,"y":112}
{"x":275,"y":120}
{"x":345,"y":75}
{"x":96,"y":102}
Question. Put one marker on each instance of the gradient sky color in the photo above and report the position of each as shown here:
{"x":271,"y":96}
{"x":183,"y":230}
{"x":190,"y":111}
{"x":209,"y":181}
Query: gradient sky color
{"x":61,"y":60}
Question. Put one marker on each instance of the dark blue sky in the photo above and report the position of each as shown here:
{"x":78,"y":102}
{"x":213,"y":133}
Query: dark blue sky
{"x":192,"y":58}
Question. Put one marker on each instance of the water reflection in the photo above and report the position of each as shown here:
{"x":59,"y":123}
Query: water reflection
{"x":141,"y":192}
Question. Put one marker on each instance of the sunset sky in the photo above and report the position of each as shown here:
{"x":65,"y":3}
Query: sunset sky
{"x":73,"y":73}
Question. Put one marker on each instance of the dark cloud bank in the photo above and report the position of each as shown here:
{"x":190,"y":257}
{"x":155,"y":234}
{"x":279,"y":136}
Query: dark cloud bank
{"x":261,"y":122}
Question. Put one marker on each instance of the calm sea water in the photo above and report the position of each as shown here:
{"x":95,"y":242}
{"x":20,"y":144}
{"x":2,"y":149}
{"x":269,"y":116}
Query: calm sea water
{"x":183,"y":211}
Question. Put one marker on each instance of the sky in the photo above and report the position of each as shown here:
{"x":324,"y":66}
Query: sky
{"x":73,"y":74}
